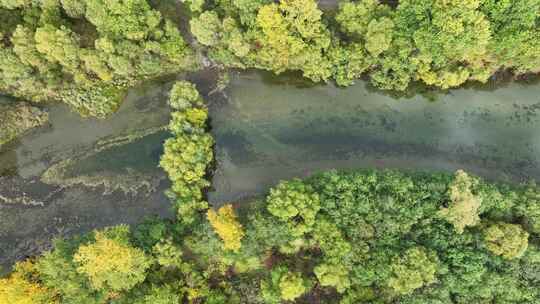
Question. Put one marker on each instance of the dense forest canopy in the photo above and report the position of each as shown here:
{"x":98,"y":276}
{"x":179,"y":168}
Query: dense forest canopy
{"x":440,"y":43}
{"x":365,"y":237}
{"x":88,"y":52}
{"x":336,"y":237}
{"x":85,"y":52}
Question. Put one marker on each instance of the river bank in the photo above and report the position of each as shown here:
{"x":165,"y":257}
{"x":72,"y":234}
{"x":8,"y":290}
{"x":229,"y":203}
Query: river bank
{"x":266,"y":129}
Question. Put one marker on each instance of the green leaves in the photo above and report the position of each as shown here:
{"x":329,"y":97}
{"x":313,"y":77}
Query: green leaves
{"x":463,"y":209}
{"x":379,"y":35}
{"x":131,"y":19}
{"x":206,"y":28}
{"x":283,"y":285}
{"x":187,"y":155}
{"x":296,"y":203}
{"x":507,"y":240}
{"x":416,"y":268}
{"x":335,"y":276}
{"x":84,"y":52}
{"x":355,"y":237}
{"x":289,"y":35}
{"x":441,"y":43}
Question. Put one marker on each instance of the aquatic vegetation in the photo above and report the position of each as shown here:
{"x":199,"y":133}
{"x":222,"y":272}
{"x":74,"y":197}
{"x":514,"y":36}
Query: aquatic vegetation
{"x":336,"y":237}
{"x":347,"y":237}
{"x":92,"y":169}
{"x":19,"y":118}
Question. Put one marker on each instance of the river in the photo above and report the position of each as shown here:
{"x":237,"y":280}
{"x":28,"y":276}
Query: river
{"x":273,"y":128}
{"x":78,"y":174}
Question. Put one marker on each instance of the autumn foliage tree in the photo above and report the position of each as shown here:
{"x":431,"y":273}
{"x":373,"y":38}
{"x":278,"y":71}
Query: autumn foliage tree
{"x":507,"y":240}
{"x":463,"y":209}
{"x":226,"y":225}
{"x":110,"y":262}
{"x":22,"y":287}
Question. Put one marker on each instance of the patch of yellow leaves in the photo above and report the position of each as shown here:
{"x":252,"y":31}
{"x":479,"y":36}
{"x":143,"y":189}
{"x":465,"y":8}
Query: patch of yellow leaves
{"x":226,"y":225}
{"x":18,"y":288}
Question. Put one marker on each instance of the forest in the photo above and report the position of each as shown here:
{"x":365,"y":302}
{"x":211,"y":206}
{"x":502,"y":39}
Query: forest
{"x":359,"y":236}
{"x":87,"y":53}
{"x":340,"y":236}
{"x":439,"y":43}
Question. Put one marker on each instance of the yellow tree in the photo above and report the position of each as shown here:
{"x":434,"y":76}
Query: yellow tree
{"x":464,"y":205}
{"x":226,"y":225}
{"x":507,"y":240}
{"x":110,"y":263}
{"x":20,"y":287}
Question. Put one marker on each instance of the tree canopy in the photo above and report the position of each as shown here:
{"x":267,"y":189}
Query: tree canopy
{"x":437,"y":42}
{"x":374,"y":237}
{"x":85,"y":53}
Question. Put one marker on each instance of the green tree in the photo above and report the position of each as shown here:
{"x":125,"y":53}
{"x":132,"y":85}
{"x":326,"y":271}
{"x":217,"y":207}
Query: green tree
{"x":74,"y":8}
{"x":515,"y":40}
{"x":463,"y":209}
{"x":379,"y":36}
{"x":283,"y":285}
{"x":131,"y":19}
{"x":207,"y":28}
{"x":59,"y":45}
{"x":507,"y":240}
{"x":292,"y":286}
{"x":292,"y":37}
{"x":295,"y":203}
{"x":335,"y":276}
{"x":86,"y":53}
{"x":416,"y":268}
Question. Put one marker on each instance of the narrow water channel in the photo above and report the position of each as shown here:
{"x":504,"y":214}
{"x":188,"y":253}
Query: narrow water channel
{"x":272,"y":130}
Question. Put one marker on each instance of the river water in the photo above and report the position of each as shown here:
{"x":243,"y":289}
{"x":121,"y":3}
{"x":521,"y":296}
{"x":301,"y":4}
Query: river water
{"x":78,"y":174}
{"x":278,"y":128}
{"x":32,"y":212}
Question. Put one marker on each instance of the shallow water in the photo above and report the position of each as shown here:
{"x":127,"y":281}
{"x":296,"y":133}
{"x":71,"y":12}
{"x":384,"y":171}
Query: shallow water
{"x":266,"y":129}
{"x":272,"y":130}
{"x":104,"y":152}
{"x":78,"y":174}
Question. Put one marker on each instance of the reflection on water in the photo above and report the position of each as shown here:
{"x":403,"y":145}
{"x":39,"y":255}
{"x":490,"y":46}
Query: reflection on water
{"x":272,"y":130}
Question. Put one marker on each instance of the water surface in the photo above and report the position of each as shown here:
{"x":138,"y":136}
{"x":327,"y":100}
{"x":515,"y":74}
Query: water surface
{"x":101,"y":153}
{"x":271,"y":130}
{"x":78,"y":174}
